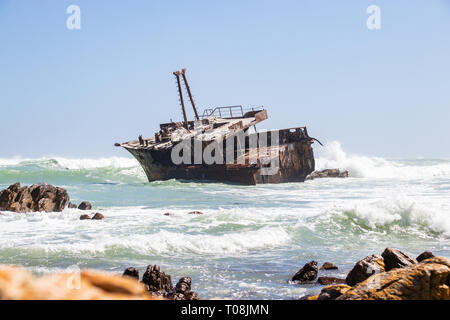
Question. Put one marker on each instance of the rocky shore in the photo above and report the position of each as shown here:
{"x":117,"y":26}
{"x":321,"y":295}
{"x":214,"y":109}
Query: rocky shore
{"x":393,"y":275}
{"x":41,"y":197}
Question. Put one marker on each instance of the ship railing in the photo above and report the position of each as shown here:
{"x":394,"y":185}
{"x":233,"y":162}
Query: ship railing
{"x":229,"y":112}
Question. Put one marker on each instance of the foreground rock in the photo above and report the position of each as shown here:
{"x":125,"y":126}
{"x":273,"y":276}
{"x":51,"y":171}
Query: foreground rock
{"x":183,"y":291}
{"x":365,"y":268}
{"x":157,"y":281}
{"x":307,"y":273}
{"x":85,"y":217}
{"x":396,"y":259}
{"x":328,"y":173}
{"x":332,"y":292}
{"x":39,"y":197}
{"x":19,"y":284}
{"x":428,"y":280}
{"x":424,"y":256}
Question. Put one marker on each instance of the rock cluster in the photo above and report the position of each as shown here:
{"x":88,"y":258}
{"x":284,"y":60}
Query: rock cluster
{"x":328,"y":173}
{"x":19,"y":284}
{"x":427,"y":280}
{"x":309,"y":273}
{"x":394,"y":276}
{"x":38,"y":197}
{"x":159,"y":283}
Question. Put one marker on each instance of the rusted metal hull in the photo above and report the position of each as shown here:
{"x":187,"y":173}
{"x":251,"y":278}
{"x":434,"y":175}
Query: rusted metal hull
{"x":296,"y":161}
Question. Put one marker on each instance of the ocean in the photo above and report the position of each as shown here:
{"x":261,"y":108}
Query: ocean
{"x":250,"y":240}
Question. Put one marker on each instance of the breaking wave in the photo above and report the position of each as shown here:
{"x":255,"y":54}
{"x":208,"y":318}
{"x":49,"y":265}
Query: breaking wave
{"x":333,"y":156}
{"x":113,"y":170}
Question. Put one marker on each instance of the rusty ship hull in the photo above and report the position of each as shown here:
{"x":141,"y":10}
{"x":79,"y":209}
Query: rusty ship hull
{"x":294,"y":152}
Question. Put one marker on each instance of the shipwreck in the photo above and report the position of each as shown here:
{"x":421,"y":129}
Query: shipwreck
{"x":223,"y":144}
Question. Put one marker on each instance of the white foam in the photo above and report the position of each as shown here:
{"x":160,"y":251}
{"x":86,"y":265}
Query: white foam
{"x":333,"y":156}
{"x":74,"y":163}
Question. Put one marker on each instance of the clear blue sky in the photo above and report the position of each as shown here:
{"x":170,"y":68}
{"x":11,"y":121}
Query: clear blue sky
{"x":74,"y":93}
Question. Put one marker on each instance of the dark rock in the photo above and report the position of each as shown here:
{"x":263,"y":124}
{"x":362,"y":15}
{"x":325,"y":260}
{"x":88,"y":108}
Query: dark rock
{"x":365,"y":268}
{"x":195,"y":212}
{"x":308,"y":297}
{"x":98,"y":216}
{"x":157,"y":281}
{"x":328,"y":266}
{"x":328,"y":173}
{"x":183,"y":291}
{"x":330,"y":280}
{"x":333,"y":292}
{"x":424,"y":256}
{"x":168,"y":214}
{"x":396,"y":259}
{"x":39,"y":197}
{"x":307,"y":273}
{"x":71,"y":205}
{"x":85,"y":217}
{"x":194,"y":296}
{"x":131,"y":272}
{"x":85,"y":205}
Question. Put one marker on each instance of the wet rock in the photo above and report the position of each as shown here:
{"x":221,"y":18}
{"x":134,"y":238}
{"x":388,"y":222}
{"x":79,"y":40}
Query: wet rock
{"x":365,"y":268}
{"x":328,"y":173}
{"x":195,"y":212}
{"x":157,"y":281}
{"x":38,"y":197}
{"x":131,"y":272}
{"x":183,"y":291}
{"x":85,"y":205}
{"x":396,"y":259}
{"x":168,"y":214}
{"x":85,"y":217}
{"x":424,"y":256}
{"x":71,"y":205}
{"x":19,"y":284}
{"x":98,"y":216}
{"x":333,"y":292}
{"x":427,"y":280}
{"x":330,"y":280}
{"x":328,"y":266}
{"x":307,"y":273}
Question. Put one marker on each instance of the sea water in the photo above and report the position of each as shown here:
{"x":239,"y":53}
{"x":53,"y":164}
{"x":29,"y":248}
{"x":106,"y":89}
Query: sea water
{"x":250,"y":239}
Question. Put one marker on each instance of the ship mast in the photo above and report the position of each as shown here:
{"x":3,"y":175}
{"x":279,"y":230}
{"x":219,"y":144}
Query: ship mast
{"x":180,"y":92}
{"x":188,"y":89}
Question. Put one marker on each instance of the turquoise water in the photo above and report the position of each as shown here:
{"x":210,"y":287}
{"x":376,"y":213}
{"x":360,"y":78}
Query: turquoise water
{"x":250,"y":239}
